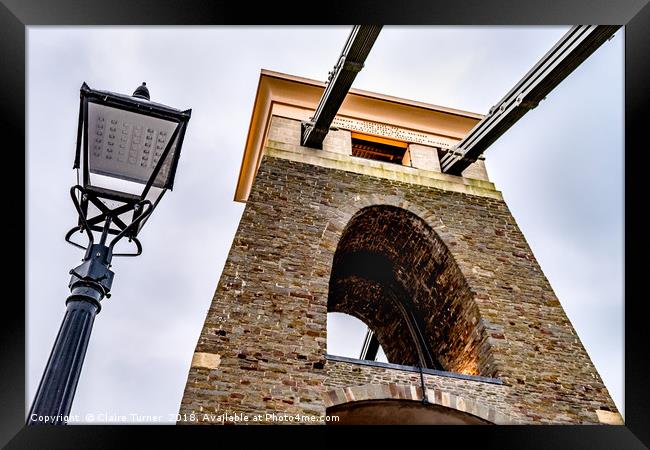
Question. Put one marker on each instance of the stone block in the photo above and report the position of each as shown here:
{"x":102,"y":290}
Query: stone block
{"x":207,"y":360}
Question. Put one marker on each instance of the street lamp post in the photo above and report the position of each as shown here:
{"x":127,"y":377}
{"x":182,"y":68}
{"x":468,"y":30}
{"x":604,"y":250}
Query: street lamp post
{"x":127,"y":153}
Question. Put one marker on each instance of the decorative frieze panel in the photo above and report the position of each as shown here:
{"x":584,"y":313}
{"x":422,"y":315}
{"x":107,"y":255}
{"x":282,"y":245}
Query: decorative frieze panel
{"x":393,"y":132}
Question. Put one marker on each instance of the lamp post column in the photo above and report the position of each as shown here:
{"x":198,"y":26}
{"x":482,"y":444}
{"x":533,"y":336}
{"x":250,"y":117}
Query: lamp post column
{"x":123,"y":212}
{"x":90,"y":283}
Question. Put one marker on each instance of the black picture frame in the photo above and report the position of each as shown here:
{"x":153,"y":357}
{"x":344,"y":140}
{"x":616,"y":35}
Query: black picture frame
{"x":16,"y":15}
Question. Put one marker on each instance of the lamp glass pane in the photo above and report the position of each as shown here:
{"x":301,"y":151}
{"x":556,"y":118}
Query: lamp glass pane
{"x":127,"y":146}
{"x":154,"y":195}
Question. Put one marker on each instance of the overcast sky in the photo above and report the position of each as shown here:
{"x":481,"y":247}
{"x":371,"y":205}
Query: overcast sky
{"x":560,"y":169}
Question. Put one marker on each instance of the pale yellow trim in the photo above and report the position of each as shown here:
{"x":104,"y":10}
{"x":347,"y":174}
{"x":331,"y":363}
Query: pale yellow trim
{"x":389,"y":98}
{"x":282,"y":89}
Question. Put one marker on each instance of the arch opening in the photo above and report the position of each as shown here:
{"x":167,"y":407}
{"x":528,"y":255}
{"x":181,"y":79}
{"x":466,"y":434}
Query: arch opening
{"x":394,"y":273}
{"x":347,"y":336}
{"x":398,"y":412}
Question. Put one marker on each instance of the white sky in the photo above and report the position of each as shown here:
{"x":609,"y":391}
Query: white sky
{"x":560,"y":169}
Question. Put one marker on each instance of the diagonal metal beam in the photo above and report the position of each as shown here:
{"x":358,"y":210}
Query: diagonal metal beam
{"x":567,"y":54}
{"x":339,"y":81}
{"x":370,"y":346}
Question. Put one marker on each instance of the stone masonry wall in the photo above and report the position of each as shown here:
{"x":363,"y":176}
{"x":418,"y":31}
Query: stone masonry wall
{"x":360,"y":382}
{"x":263,"y":345}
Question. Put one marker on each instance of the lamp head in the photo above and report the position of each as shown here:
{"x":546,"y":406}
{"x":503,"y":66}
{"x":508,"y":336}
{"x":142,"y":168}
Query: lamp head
{"x":128,"y":147}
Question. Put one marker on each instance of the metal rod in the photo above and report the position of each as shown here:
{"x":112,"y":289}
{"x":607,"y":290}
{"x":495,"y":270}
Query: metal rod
{"x":370,"y":346}
{"x":425,"y":400}
{"x":85,"y":169}
{"x":563,"y":58}
{"x":350,"y":62}
{"x":77,"y":155}
{"x":107,"y":226}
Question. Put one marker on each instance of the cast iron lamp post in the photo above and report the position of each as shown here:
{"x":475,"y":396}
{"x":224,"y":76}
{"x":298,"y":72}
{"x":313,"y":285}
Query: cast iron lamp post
{"x":127,"y":153}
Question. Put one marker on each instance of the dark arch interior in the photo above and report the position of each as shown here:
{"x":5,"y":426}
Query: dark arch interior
{"x":394,"y":273}
{"x":399,"y":412}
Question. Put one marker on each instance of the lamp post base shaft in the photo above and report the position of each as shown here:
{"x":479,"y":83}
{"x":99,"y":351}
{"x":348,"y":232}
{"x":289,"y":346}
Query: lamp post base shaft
{"x":53,"y":400}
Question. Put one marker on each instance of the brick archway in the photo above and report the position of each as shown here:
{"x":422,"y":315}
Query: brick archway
{"x":392,"y":391}
{"x":391,"y":269}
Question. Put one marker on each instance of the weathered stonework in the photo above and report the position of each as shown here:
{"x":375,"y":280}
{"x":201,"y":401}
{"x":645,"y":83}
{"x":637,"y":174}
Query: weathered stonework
{"x":450,"y":241}
{"x":356,"y":382}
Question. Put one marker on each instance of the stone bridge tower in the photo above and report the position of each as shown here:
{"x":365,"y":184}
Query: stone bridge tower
{"x":434,"y":264}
